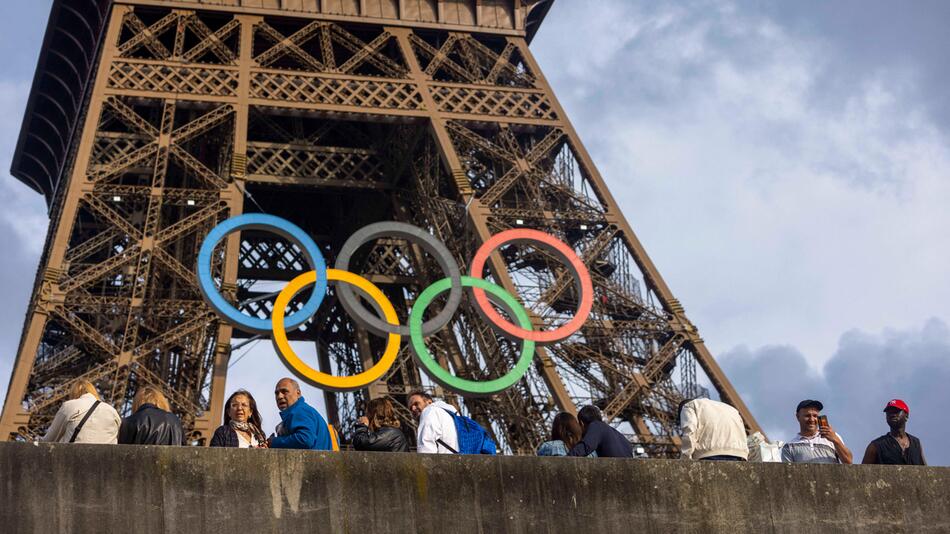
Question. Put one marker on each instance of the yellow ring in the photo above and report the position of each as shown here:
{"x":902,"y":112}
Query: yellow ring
{"x":313,"y":376}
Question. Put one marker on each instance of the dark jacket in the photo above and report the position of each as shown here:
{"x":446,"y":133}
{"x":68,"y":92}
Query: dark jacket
{"x":225,"y":436}
{"x":603,"y":439}
{"x":151,"y":425}
{"x":386,"y":439}
{"x":303,"y":428}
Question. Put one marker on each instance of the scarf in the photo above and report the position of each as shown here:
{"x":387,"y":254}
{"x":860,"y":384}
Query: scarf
{"x":249,"y":428}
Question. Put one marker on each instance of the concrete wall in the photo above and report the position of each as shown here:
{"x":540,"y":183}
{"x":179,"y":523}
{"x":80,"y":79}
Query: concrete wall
{"x":137,"y":489}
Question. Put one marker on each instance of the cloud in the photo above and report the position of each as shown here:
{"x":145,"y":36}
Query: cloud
{"x":24,"y":214}
{"x":864,"y":373}
{"x":23,"y":224}
{"x":783,"y":202}
{"x":789,"y":181}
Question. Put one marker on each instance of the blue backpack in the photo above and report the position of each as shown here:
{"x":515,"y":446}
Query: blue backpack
{"x":473,"y":439}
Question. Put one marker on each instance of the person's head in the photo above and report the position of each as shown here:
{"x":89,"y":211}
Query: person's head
{"x":380,"y":413}
{"x":81,"y":388}
{"x":587,"y":415}
{"x":418,"y":400}
{"x":287,"y":392}
{"x":150,"y":395}
{"x":242,"y":407}
{"x":679,"y":411}
{"x":567,"y":429}
{"x":807,"y":415}
{"x":896,"y":413}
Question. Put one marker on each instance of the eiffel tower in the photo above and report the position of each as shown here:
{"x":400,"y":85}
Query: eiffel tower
{"x":150,"y":121}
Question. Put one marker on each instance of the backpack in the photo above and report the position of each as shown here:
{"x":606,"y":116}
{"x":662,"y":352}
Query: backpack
{"x":473,"y":439}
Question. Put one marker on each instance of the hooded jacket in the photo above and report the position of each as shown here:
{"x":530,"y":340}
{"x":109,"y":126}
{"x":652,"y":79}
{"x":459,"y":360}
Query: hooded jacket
{"x":436,"y":424}
{"x":712,"y":428}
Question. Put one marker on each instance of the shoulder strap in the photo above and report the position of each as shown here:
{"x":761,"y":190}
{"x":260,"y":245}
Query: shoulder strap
{"x":83,"y":422}
{"x":446,"y":445}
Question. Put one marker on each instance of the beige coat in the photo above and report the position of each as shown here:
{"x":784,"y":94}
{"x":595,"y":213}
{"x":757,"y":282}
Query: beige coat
{"x":101,"y":427}
{"x":712,"y":428}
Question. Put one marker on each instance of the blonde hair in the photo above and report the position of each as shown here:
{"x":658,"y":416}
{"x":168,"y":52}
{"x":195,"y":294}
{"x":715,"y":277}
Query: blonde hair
{"x":81,"y":388}
{"x":380,"y":413}
{"x":150,"y":395}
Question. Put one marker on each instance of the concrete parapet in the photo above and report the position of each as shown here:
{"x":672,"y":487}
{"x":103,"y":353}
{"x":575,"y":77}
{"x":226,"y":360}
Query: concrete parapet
{"x":140,"y":489}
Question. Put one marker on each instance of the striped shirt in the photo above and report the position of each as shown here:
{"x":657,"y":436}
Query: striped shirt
{"x":810,"y":450}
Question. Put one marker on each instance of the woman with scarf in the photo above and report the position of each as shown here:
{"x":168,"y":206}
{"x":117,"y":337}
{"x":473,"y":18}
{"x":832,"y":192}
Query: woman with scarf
{"x":242,"y":423}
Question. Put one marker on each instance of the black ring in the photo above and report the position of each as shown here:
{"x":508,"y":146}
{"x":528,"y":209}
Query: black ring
{"x":430,"y":244}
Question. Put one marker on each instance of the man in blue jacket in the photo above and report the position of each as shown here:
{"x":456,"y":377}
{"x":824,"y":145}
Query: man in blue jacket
{"x":301,"y":426}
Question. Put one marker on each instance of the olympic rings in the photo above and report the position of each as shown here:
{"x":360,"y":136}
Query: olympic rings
{"x":313,"y":376}
{"x":281,"y":227}
{"x":583,"y":285}
{"x":388,"y":325}
{"x":447,"y":379}
{"x":431,"y":245}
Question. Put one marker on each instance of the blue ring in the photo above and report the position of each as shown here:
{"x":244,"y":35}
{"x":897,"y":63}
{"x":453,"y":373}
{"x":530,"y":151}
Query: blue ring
{"x":281,"y":227}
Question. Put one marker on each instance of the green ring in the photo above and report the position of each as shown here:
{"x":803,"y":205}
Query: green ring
{"x":444,"y":377}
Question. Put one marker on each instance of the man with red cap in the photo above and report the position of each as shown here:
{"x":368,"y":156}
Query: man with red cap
{"x":897,"y":447}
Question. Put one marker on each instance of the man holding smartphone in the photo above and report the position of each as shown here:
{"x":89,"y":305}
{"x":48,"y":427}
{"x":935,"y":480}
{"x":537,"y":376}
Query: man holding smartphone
{"x":816,"y":442}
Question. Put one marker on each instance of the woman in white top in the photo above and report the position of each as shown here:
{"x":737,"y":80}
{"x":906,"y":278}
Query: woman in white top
{"x":102,"y":425}
{"x":242,"y":423}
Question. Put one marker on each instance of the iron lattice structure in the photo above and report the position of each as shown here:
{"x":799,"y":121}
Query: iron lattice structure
{"x":152,"y":120}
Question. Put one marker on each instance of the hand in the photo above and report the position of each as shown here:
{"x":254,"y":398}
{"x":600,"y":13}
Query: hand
{"x":363,"y":421}
{"x":266,"y":444}
{"x":829,"y":433}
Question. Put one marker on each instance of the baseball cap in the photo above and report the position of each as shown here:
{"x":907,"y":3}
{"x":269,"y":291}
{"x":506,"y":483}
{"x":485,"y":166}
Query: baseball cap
{"x":899,"y":404}
{"x":810,"y":403}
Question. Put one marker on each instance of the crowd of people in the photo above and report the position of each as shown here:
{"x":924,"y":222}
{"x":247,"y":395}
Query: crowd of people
{"x":711,"y":430}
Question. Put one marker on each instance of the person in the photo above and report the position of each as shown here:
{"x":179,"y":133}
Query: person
{"x":301,"y":426}
{"x":599,"y":437}
{"x":565,"y":433}
{"x":242,"y":423}
{"x":151,"y":422}
{"x":712,"y":430}
{"x":897,"y":447}
{"x":815,"y":443}
{"x":436,"y":433}
{"x":84,"y":418}
{"x":378,"y":430}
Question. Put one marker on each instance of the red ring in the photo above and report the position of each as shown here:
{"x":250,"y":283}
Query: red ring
{"x":580,"y":271}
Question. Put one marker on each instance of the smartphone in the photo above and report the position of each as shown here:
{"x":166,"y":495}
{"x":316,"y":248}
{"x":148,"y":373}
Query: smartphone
{"x":823,"y":421}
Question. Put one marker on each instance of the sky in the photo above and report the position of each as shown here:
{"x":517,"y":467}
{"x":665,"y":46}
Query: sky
{"x":785,"y":164}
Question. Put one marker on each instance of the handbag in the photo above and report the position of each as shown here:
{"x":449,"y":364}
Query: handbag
{"x":84,"y":419}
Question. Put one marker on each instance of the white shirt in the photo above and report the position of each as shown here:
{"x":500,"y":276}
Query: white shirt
{"x":436,"y":424}
{"x":811,"y":450}
{"x":244,"y":443}
{"x":101,"y":427}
